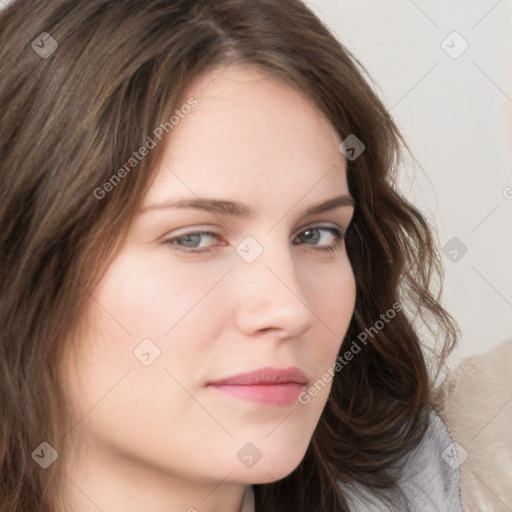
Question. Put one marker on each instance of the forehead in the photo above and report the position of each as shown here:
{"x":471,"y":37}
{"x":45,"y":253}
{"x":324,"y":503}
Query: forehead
{"x":249,"y":133}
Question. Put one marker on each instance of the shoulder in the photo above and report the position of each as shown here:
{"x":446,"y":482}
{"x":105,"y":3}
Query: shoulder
{"x":429,"y":480}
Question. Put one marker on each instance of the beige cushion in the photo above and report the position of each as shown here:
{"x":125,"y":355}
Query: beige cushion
{"x":477,"y":408}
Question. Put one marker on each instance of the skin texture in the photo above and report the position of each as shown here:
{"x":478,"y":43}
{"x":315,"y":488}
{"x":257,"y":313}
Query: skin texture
{"x":156,"y":437}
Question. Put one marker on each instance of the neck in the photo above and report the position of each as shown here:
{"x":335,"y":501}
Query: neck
{"x":98,"y":482}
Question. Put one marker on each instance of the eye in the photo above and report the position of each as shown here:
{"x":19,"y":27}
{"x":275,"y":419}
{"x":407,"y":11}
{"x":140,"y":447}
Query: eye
{"x":190,"y":242}
{"x":319,"y":236}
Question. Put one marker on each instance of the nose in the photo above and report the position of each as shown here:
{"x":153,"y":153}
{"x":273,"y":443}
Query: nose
{"x":270,"y":296}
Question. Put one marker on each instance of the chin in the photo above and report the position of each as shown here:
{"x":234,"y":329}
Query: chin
{"x":270,"y":471}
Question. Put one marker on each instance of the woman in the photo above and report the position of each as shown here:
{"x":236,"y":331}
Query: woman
{"x":209,"y":280}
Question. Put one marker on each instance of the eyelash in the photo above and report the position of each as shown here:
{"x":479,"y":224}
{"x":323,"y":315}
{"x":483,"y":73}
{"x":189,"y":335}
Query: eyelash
{"x":338,"y":234}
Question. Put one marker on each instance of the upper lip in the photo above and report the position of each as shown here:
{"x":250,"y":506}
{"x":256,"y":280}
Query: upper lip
{"x":262,"y":376}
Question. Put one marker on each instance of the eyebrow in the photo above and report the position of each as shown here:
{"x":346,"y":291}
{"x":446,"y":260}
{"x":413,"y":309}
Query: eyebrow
{"x":236,"y":209}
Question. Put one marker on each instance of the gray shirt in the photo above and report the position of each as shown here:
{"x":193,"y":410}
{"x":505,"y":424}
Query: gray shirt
{"x":429,"y":482}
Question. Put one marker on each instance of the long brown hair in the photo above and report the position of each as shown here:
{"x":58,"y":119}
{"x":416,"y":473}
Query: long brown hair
{"x":106,"y":74}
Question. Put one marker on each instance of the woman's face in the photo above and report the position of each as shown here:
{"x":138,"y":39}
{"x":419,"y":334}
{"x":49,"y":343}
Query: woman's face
{"x":179,"y":310}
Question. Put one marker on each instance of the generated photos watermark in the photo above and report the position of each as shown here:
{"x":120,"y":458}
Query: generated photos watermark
{"x":143,"y":151}
{"x":355,"y":348}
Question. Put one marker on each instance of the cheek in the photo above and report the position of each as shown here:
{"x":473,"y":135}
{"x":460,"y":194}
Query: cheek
{"x":146,"y":305}
{"x":332,"y":295}
{"x":140,"y":299}
{"x":149,"y":296}
{"x":333,"y":300}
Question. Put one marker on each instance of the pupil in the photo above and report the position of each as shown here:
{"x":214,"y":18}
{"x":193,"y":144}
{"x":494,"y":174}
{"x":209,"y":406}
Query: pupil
{"x":311,"y":234}
{"x":190,"y":240}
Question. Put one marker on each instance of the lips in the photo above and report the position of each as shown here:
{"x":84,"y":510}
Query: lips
{"x":269,"y":386}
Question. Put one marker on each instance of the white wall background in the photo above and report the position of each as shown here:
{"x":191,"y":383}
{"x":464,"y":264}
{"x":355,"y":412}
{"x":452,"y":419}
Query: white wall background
{"x":456,"y":115}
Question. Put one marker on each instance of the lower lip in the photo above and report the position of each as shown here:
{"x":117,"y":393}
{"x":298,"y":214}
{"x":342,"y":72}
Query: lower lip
{"x":268,"y":394}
